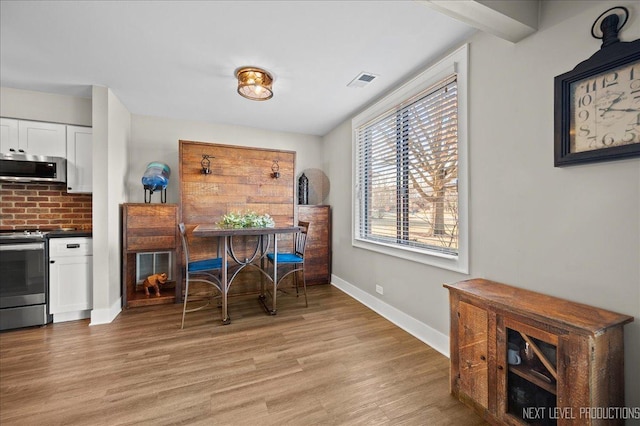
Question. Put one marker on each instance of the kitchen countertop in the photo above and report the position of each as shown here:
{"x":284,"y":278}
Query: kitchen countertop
{"x":69,"y":233}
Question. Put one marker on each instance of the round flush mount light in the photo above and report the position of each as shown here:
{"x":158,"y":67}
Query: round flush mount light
{"x":254,"y":83}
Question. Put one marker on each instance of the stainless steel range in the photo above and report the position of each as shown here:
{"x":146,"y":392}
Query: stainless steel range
{"x":24,"y":278}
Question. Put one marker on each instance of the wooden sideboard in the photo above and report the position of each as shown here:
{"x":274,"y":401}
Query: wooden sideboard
{"x":570,"y":356}
{"x":149,"y":228}
{"x":317,"y":263}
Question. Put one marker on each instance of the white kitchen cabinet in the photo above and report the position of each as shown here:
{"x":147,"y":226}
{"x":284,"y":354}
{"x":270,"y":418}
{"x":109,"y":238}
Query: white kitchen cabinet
{"x":33,"y":137}
{"x":79,"y":159}
{"x":8,"y":134}
{"x":70,"y":278}
{"x":38,"y":138}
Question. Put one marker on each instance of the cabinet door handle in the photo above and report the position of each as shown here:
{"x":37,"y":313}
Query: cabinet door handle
{"x":73,"y":245}
{"x":52,"y":261}
{"x":483,"y":358}
{"x":500,"y":367}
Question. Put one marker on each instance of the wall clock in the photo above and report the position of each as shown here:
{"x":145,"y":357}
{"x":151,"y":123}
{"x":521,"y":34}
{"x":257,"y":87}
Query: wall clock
{"x":597,"y":104}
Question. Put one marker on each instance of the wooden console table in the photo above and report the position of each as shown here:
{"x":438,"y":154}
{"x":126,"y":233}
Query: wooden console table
{"x":570,"y":356}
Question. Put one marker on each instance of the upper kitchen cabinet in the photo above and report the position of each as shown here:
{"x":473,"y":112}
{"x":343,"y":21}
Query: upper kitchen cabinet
{"x":79,"y":159}
{"x":39,"y":138}
{"x":8,"y":134}
{"x":33,"y":137}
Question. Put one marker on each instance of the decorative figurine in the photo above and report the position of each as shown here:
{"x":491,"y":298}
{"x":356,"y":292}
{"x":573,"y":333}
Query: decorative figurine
{"x":154,"y":281}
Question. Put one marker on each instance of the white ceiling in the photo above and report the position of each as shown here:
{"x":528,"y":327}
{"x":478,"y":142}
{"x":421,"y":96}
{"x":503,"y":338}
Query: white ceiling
{"x":177,"y":58}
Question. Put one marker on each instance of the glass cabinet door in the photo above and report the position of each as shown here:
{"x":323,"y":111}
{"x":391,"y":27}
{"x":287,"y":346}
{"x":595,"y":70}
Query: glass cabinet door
{"x":528,"y":374}
{"x":148,"y":263}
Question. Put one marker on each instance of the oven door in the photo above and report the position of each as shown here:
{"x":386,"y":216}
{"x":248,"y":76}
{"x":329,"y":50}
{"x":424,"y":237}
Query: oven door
{"x":23,"y":270}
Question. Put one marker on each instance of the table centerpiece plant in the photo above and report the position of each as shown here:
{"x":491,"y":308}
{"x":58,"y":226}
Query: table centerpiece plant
{"x":249,"y":219}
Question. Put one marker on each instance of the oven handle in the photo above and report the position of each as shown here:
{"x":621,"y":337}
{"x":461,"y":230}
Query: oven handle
{"x":28,"y":246}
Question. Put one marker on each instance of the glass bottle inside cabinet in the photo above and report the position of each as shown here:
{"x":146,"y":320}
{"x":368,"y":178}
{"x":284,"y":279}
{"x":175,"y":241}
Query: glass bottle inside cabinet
{"x":531,"y":378}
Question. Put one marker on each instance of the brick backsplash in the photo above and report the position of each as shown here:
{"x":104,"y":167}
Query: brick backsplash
{"x":43,"y":206}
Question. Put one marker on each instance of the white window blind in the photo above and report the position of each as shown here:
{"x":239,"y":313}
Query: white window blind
{"x":407,"y":173}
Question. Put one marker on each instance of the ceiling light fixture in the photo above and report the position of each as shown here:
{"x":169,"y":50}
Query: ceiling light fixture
{"x":254,"y":83}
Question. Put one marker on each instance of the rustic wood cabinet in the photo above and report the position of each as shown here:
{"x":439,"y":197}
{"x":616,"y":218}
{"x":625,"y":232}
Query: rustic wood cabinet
{"x":149,"y":229}
{"x":317,"y":263}
{"x":521,"y":357}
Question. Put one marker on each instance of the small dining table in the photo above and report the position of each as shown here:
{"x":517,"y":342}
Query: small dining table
{"x":226,"y":251}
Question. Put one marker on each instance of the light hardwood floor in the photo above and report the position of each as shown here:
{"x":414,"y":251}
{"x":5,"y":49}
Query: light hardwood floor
{"x":333,"y":363}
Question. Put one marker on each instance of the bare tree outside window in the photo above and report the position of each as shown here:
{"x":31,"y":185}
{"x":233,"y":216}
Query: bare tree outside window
{"x":408,"y":172}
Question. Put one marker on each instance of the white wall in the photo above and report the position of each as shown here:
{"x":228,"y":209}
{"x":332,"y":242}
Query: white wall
{"x":29,"y":105}
{"x":111,"y":135}
{"x":156,"y":139}
{"x":570,"y":232}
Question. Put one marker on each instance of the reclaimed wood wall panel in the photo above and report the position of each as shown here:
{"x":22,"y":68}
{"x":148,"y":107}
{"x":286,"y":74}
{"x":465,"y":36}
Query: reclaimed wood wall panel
{"x":240,"y":180}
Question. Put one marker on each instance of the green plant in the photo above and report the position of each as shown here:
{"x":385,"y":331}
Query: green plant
{"x":249,"y":219}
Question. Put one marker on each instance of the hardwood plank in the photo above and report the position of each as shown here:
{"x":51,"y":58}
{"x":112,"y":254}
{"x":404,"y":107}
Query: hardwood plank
{"x":333,"y":363}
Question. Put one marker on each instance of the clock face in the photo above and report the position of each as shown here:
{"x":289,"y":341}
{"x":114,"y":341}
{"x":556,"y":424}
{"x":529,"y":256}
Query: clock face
{"x":605,"y":109}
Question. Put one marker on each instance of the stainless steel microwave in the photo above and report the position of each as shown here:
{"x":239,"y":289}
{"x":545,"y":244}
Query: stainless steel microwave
{"x":32,"y":168}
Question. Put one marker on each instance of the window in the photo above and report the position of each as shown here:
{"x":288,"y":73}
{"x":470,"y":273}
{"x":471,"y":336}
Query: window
{"x":410,"y":169}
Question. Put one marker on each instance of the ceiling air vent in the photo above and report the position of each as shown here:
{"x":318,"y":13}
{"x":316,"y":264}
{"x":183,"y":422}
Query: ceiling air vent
{"x":363,"y":79}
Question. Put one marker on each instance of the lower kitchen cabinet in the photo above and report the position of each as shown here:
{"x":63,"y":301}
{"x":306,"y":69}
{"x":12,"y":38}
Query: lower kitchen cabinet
{"x":70,"y":278}
{"x":520,"y":357}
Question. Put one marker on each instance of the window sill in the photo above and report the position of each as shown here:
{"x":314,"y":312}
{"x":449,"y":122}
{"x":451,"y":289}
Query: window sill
{"x":439,"y":260}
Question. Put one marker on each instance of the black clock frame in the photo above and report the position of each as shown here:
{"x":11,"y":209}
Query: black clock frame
{"x":612,"y":54}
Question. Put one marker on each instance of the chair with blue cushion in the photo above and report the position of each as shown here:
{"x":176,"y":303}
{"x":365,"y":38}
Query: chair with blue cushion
{"x":205,"y":271}
{"x":293,"y":262}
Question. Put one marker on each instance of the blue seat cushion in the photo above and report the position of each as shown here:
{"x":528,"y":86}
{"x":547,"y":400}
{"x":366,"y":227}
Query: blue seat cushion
{"x":286,"y":258}
{"x":205,"y":264}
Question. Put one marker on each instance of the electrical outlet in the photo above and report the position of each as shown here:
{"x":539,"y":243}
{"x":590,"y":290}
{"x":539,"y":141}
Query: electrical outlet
{"x":379,"y":289}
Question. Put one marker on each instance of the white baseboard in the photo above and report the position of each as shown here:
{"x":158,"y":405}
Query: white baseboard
{"x":419,"y":330}
{"x":105,"y":316}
